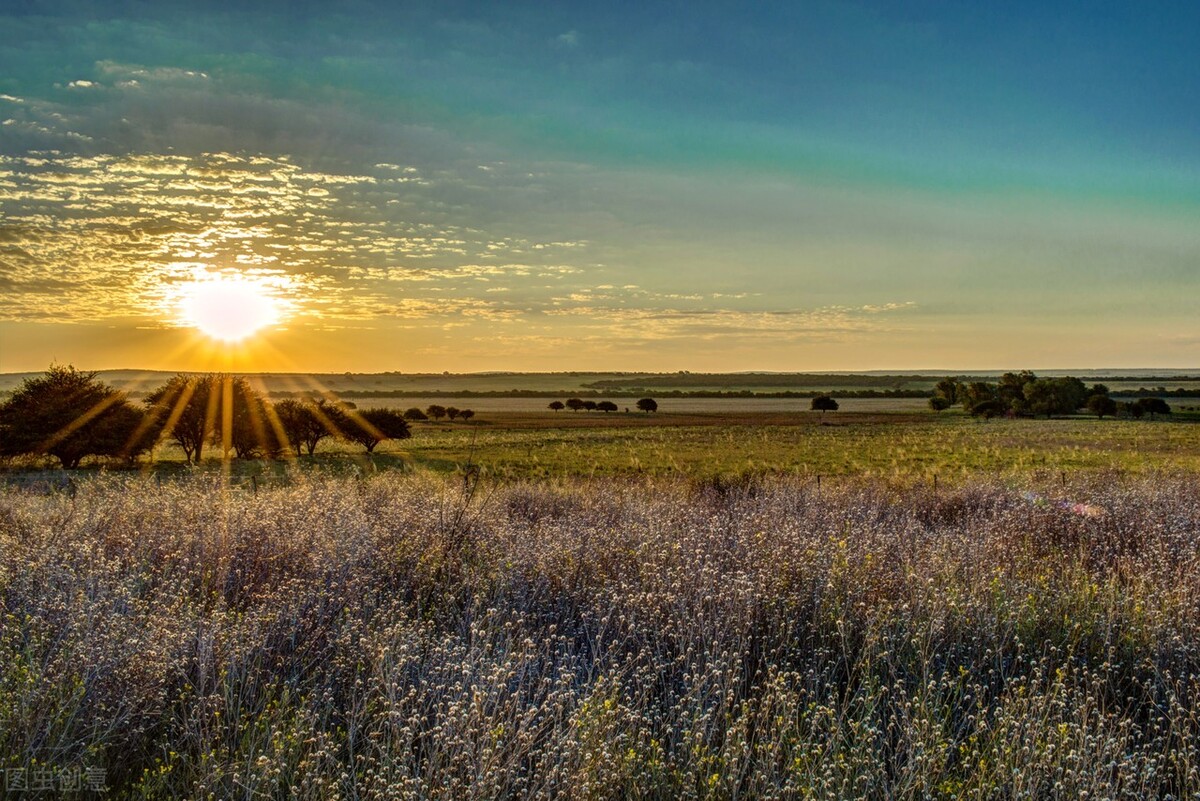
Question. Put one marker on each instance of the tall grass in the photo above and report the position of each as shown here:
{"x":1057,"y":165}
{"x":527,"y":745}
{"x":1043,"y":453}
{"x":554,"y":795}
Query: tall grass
{"x":389,"y":638}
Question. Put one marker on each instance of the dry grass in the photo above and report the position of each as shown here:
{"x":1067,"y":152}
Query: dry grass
{"x":401,"y":638}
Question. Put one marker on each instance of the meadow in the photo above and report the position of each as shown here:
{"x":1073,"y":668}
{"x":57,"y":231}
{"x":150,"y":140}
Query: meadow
{"x":420,"y":636}
{"x":699,"y":603}
{"x":887,"y":446}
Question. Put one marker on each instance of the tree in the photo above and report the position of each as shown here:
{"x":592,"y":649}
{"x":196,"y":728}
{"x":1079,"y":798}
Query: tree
{"x":823,"y":403}
{"x":574,"y":404}
{"x":1050,"y":396}
{"x":306,"y":423}
{"x":606,"y":406}
{"x":1135,"y":410}
{"x":1153,"y":406}
{"x":1012,"y":390}
{"x":1040,"y":398}
{"x":648,"y":405}
{"x":452,"y":412}
{"x":372,"y":426}
{"x":988,"y":409}
{"x":68,"y":414}
{"x":435,"y":411}
{"x":590,"y":405}
{"x":466,"y":415}
{"x":415,"y":415}
{"x":1071,"y":393}
{"x":947,"y":388}
{"x":939,"y":403}
{"x":186,"y":409}
{"x":975,"y":392}
{"x":1101,"y":405}
{"x":556,"y":405}
{"x":252,"y":434}
{"x":295,"y":419}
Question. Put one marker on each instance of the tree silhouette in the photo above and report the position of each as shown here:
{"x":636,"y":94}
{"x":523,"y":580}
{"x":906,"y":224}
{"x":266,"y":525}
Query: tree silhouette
{"x":574,"y":404}
{"x":975,"y":392}
{"x":369,"y":427}
{"x":68,"y":414}
{"x":947,"y":388}
{"x":306,"y":423}
{"x":988,"y":409}
{"x":590,"y":405}
{"x":466,"y":415}
{"x":940,"y":403}
{"x":1153,"y":406}
{"x":415,"y":415}
{"x":1050,"y":396}
{"x":648,"y":405}
{"x":435,"y":411}
{"x":452,"y":412}
{"x":1101,"y":405}
{"x":556,"y":405}
{"x":606,"y":406}
{"x":186,"y":410}
{"x":823,"y":403}
{"x":253,"y":433}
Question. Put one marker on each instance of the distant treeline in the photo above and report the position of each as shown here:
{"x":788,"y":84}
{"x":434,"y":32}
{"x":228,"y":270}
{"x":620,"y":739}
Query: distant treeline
{"x":826,"y":381}
{"x":622,"y":393}
{"x":1157,"y":392}
{"x":813,"y":381}
{"x":639,"y":391}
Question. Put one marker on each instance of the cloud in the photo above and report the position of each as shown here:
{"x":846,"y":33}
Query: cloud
{"x":118,"y":232}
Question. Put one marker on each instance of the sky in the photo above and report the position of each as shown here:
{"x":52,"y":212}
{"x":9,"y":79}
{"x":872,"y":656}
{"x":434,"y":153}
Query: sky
{"x":476,"y":186}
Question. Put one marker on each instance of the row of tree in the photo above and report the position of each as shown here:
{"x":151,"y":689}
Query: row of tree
{"x":1024,"y":394}
{"x":575,"y":404}
{"x":436,"y":413}
{"x":69,"y":414}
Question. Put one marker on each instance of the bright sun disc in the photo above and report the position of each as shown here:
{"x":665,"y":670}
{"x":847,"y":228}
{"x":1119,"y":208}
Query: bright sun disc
{"x":228,"y":309}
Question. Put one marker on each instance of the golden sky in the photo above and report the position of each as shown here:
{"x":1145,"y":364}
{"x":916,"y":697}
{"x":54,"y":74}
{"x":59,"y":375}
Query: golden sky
{"x":472,"y":189}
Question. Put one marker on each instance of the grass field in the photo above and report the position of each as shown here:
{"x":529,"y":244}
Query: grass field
{"x":406,"y":636}
{"x":895,"y":446}
{"x":620,"y":606}
{"x":888,"y":446}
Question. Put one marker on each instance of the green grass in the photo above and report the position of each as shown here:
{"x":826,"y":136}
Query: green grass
{"x":897,"y":447}
{"x":953,"y":447}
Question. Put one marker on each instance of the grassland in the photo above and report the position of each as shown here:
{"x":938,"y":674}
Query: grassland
{"x":895,"y":446}
{"x":409,"y":636}
{"x":541,"y":605}
{"x":900,"y":447}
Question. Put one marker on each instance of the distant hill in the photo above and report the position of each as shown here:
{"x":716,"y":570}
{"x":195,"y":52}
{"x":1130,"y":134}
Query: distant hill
{"x":593,"y":384}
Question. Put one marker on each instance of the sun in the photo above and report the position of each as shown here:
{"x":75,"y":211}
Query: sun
{"x":228,"y":309}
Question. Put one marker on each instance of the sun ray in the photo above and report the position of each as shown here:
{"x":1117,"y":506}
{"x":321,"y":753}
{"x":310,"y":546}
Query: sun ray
{"x":255,"y":411}
{"x":181,"y":402}
{"x":70,"y":428}
{"x":211,"y":410}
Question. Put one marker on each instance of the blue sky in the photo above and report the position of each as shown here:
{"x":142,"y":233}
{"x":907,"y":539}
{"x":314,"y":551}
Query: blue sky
{"x":476,"y":186}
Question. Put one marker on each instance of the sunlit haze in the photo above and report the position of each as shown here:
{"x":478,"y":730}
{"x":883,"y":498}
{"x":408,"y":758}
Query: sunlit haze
{"x":422,"y":186}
